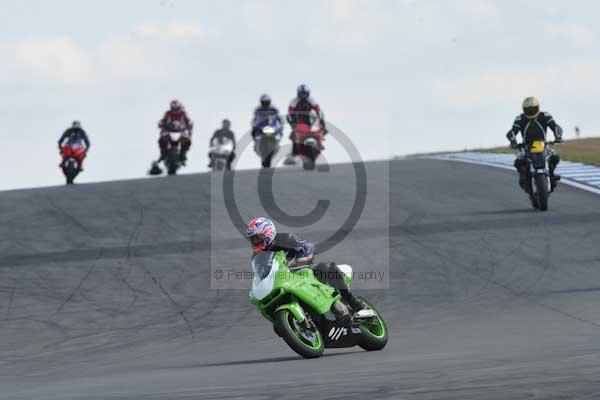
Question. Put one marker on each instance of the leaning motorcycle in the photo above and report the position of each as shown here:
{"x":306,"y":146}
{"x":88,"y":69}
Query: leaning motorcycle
{"x":72,"y":155}
{"x":267,"y":141}
{"x":308,"y":314}
{"x":220,"y":150}
{"x":538,"y":184}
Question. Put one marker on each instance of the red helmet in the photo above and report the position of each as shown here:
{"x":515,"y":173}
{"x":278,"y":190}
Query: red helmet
{"x":175,"y":105}
{"x":261,"y":233}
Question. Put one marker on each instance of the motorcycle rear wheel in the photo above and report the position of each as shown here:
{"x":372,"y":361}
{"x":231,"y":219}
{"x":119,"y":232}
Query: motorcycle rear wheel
{"x":374,"y":335}
{"x":70,"y":173}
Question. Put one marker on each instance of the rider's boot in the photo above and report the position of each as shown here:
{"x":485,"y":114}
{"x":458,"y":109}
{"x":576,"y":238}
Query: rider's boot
{"x":554,"y":178}
{"x":522,"y":180}
{"x":163,"y":154}
{"x":183,"y":157}
{"x":354,"y":302}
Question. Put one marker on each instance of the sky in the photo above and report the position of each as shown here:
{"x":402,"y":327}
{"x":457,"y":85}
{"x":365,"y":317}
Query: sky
{"x":397,"y":77}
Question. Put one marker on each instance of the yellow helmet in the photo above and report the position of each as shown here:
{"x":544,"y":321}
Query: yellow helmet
{"x":531,"y":107}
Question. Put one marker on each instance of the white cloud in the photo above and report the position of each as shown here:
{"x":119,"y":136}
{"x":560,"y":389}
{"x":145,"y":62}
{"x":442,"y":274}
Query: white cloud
{"x":58,"y":59}
{"x":578,"y":79}
{"x":479,"y":9}
{"x":259,"y":16}
{"x":349,"y":24}
{"x":128,"y":59}
{"x":171,"y":31}
{"x":63,"y":60}
{"x":578,"y":35}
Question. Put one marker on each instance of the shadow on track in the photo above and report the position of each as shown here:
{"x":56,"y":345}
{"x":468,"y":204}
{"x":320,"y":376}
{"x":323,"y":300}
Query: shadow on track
{"x":268,"y":360}
{"x":500,"y":212}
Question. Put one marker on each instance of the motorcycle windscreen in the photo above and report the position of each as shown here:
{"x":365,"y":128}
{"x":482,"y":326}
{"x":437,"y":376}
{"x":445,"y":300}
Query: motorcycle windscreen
{"x":222,"y":147}
{"x":264,"y":268}
{"x":262,"y":263}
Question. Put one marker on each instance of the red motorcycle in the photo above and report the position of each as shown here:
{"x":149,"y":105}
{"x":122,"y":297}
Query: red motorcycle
{"x":72,"y":160}
{"x":309,"y":142}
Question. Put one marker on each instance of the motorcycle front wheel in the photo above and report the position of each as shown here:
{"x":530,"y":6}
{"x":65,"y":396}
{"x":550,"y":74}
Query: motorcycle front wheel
{"x":172,"y":162}
{"x":310,"y":155}
{"x":541,"y":183}
{"x":307,"y":342}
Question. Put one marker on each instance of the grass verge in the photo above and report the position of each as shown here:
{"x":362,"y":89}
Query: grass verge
{"x":577,"y":150}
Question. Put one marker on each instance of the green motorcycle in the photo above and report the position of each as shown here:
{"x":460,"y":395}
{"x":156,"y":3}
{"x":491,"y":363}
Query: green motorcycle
{"x":308,"y":314}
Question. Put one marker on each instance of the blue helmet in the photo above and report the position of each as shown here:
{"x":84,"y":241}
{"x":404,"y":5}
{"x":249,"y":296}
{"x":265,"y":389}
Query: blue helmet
{"x":265,"y":100}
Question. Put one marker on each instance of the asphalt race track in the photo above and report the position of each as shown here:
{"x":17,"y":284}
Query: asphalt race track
{"x":105,"y":293}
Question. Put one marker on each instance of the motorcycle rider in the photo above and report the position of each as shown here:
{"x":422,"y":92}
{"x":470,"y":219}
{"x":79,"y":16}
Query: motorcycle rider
{"x":74,"y":136}
{"x":224,"y":133}
{"x":532,"y":124}
{"x":176,"y":113}
{"x":262,"y":234}
{"x":263,"y":112}
{"x":299,"y":112}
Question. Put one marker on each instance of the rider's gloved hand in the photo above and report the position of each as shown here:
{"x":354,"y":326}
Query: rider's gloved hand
{"x":304,"y":260}
{"x":513,"y":144}
{"x":558,"y":139}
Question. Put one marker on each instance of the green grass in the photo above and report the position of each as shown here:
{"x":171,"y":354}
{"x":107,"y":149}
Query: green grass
{"x":577,"y":150}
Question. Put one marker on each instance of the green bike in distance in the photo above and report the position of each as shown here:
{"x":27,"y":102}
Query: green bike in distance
{"x":308,"y":314}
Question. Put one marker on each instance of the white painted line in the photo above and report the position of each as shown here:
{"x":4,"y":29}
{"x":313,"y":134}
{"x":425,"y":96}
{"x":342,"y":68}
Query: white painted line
{"x":580,"y":169}
{"x":569,"y":182}
{"x":581,"y":175}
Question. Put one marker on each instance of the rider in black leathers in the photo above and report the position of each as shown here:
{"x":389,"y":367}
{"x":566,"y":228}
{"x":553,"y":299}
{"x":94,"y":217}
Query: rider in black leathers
{"x":74,"y":134}
{"x":532,"y":124}
{"x":227,"y":133}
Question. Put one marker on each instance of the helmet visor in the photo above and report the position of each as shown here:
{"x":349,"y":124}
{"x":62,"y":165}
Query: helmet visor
{"x":256,"y":240}
{"x":531,"y":111}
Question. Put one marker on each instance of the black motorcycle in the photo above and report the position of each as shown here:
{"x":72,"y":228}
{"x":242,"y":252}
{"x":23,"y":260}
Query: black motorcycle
{"x":538,"y":184}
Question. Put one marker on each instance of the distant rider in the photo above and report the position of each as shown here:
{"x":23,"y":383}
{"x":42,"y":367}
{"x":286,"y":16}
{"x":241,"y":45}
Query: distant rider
{"x":224,"y":133}
{"x":72,"y":137}
{"x":263,"y":112}
{"x":299,"y":111}
{"x":176,"y":113}
{"x":532,"y":124}
{"x":262,"y":234}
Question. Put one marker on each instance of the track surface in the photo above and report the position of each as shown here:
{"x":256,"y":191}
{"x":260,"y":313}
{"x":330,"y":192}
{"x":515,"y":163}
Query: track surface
{"x":104,"y":294}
